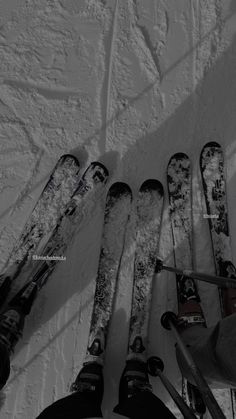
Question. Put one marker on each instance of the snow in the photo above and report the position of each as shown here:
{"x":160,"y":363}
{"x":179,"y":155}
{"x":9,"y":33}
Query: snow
{"x":128,"y":83}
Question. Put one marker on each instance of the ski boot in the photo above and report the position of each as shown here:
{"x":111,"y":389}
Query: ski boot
{"x":136,"y":399}
{"x":90,"y":382}
{"x":187,"y":289}
{"x":133,"y":382}
{"x":11,"y":326}
{"x":189,"y":315}
{"x":190,"y":311}
{"x":134,"y":379}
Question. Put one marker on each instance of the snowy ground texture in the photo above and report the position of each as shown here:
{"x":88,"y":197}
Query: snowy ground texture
{"x":129,"y":83}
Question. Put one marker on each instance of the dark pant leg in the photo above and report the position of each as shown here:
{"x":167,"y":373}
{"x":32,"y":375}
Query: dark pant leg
{"x":144,"y":405}
{"x":75,"y":406}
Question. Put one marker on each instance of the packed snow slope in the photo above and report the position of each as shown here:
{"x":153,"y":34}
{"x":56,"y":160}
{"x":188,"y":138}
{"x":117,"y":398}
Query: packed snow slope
{"x":128,"y":83}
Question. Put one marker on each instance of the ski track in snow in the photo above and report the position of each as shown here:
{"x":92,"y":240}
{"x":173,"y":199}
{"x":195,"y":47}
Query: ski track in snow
{"x":110,"y":66}
{"x":129,"y":82}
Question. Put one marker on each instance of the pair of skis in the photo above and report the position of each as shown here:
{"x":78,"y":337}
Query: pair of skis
{"x":66,"y":191}
{"x":148,"y":221}
{"x":43,"y":219}
{"x":214,"y":185}
{"x":179,"y":183}
{"x":180,"y":197}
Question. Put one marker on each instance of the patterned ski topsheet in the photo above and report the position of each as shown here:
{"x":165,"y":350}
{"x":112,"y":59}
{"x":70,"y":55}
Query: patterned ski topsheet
{"x":149,"y":216}
{"x":181,"y":221}
{"x":214,"y":185}
{"x":117,"y":212}
{"x":180,"y":197}
{"x":48,"y":209}
{"x":93,"y":178}
{"x":179,"y":181}
{"x":12,"y":318}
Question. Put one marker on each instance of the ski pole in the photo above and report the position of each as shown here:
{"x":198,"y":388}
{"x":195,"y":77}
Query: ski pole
{"x":155,"y":368}
{"x":221,"y":281}
{"x":168,"y":321}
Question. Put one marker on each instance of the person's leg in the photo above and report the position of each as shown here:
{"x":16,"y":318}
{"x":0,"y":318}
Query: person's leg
{"x":213,"y":349}
{"x":136,"y":400}
{"x":86,"y":399}
{"x":75,"y":406}
{"x":4,"y":365}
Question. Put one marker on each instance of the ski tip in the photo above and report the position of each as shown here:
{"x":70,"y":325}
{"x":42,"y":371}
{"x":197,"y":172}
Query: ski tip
{"x":100,"y":166}
{"x":212,"y":145}
{"x":152,"y":184}
{"x":117,"y":189}
{"x":178,"y":156}
{"x":68,"y":156}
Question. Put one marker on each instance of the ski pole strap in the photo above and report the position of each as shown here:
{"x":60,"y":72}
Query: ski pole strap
{"x":169,"y":321}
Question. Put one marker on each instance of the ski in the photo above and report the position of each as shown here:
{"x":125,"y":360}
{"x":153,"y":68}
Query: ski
{"x":214,"y":187}
{"x":149,"y":215}
{"x":12,"y":318}
{"x":117,"y":213}
{"x":179,"y":181}
{"x":148,"y":222}
{"x":43,"y":219}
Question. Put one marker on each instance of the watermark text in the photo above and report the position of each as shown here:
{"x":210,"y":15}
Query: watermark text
{"x":210,"y":216}
{"x":38,"y":257}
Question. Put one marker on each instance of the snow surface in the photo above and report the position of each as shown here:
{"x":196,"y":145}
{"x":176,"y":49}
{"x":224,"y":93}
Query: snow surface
{"x":129,"y":83}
